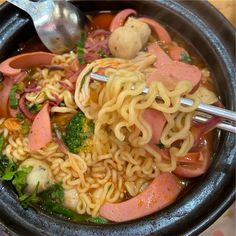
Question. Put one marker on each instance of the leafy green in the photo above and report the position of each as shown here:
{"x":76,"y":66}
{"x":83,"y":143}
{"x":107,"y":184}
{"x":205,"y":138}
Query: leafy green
{"x":20,"y":116}
{"x":77,"y":132}
{"x":25,"y":127}
{"x":9,"y":168}
{"x":80,"y":48}
{"x":19,"y":180}
{"x":83,"y":79}
{"x":12,"y":97}
{"x":62,"y":104}
{"x":29,"y":199}
{"x":102,"y":54}
{"x":160,"y":145}
{"x":55,"y":193}
{"x":34,"y":108}
{"x":58,"y":209}
{"x":1,"y":143}
{"x":51,"y":199}
{"x":184,"y":57}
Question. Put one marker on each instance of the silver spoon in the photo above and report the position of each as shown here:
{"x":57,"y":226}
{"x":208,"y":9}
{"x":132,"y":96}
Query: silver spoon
{"x":57,"y":22}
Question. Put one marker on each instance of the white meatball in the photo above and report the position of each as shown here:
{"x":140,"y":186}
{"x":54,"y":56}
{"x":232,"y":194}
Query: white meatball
{"x":71,"y":199}
{"x":124,"y":43}
{"x":140,"y":27}
{"x":40,"y":173}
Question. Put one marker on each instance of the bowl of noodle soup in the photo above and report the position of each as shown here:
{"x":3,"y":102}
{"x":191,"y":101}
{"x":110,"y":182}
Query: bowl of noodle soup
{"x":79,"y":156}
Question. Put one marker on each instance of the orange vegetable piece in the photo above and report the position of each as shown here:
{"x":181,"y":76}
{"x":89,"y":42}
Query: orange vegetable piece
{"x":12,"y":124}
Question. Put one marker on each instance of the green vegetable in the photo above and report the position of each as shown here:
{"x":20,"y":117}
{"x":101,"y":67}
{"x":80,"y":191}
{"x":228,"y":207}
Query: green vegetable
{"x":55,"y":193}
{"x":25,"y":127}
{"x":19,"y":180}
{"x":51,"y":199}
{"x":58,"y":209}
{"x":160,"y":145}
{"x":29,"y":199}
{"x":77,"y":132}
{"x":1,"y":143}
{"x":62,"y":104}
{"x":80,"y":48}
{"x":83,"y":79}
{"x":12,"y":97}
{"x":30,"y":73}
{"x":4,"y":162}
{"x":102,"y":54}
{"x":184,"y":57}
{"x":20,"y":116}
{"x":34,"y":108}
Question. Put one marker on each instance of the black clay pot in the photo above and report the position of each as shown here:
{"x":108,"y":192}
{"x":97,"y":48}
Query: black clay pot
{"x":213,"y":37}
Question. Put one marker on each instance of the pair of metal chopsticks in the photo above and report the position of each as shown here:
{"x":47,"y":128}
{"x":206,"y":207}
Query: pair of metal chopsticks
{"x":229,"y":117}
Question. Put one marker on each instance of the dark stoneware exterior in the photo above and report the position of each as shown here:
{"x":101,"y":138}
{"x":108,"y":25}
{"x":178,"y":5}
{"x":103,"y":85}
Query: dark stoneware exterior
{"x":214,"y":38}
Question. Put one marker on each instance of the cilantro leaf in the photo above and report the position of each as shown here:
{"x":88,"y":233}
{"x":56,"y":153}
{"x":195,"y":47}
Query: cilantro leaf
{"x":54,"y":193}
{"x":25,"y":127}
{"x":19,"y":180}
{"x":1,"y":143}
{"x":102,"y":54}
{"x":20,"y":116}
{"x":184,"y":57}
{"x":12,"y":97}
{"x":29,"y":199}
{"x":34,"y":108}
{"x":160,"y":145}
{"x":80,"y":48}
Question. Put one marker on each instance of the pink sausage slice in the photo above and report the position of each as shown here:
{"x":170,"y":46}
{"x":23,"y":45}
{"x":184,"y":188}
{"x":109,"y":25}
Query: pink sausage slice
{"x":162,"y":57}
{"x":158,"y":29}
{"x":13,"y":66}
{"x":171,"y":74}
{"x":40,"y":133}
{"x":120,"y":18}
{"x":160,"y":193}
{"x":157,"y":121}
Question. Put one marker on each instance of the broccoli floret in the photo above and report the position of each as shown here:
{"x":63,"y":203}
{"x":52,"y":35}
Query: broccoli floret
{"x":77,"y":132}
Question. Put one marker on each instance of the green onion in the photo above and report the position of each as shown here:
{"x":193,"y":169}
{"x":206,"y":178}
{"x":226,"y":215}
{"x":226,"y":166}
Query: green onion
{"x":102,"y":54}
{"x":160,"y":145}
{"x":12,"y":97}
{"x":34,"y":108}
{"x":184,"y":57}
{"x":80,"y":48}
{"x":20,"y":116}
{"x":1,"y":143}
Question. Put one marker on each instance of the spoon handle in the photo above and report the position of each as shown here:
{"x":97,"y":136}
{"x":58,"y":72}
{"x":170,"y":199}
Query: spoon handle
{"x":34,"y":9}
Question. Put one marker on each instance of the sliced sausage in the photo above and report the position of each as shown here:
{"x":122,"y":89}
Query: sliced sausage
{"x":13,"y":66}
{"x":157,"y":121}
{"x":160,"y":193}
{"x":162,"y":57}
{"x":40,"y":133}
{"x":171,"y":74}
{"x":120,"y":18}
{"x":158,"y":29}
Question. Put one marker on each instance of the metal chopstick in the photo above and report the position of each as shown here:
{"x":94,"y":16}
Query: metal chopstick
{"x":217,"y":111}
{"x":222,"y":125}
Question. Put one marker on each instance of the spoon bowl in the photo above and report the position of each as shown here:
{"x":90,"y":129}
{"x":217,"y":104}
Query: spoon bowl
{"x":57,"y":23}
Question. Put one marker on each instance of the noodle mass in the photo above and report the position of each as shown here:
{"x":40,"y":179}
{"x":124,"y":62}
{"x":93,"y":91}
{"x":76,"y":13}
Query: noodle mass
{"x":109,"y":144}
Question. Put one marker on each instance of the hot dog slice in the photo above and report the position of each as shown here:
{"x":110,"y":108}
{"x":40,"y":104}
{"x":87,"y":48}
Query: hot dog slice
{"x":160,"y":193}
